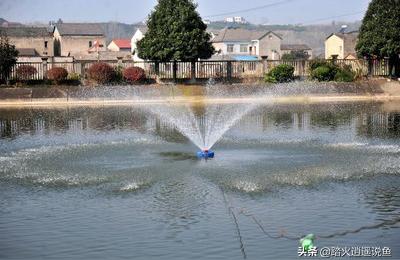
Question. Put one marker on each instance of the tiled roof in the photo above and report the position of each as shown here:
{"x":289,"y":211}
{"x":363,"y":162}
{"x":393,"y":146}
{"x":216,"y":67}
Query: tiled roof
{"x":27,"y":52}
{"x":122,"y":43}
{"x":240,"y":35}
{"x":25,"y":31}
{"x":294,"y":47}
{"x":80,"y":29}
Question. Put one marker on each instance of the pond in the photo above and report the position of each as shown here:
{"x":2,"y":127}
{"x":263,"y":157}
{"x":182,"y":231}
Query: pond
{"x":123,"y":183}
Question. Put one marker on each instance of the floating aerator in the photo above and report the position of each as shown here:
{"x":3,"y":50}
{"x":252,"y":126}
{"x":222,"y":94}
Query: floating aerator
{"x":206,"y":154}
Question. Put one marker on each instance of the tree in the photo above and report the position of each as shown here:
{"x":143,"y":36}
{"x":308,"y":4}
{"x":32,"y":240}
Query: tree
{"x":176,"y":32}
{"x":8,"y":57}
{"x":296,"y":55}
{"x":380,"y":34}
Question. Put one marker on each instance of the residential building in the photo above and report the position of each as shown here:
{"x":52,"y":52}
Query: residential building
{"x":78,"y":39}
{"x":289,"y":48}
{"x":139,"y":34}
{"x":243,"y":43}
{"x":235,"y":19}
{"x":31,"y":41}
{"x":341,"y":45}
{"x":120,"y":45}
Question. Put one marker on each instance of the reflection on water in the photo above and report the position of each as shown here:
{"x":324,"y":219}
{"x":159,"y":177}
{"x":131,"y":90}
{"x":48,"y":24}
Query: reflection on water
{"x":117,"y":183}
{"x":368,"y":122}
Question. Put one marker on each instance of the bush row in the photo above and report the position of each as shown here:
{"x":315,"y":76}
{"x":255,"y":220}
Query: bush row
{"x":320,"y":70}
{"x":103,"y":73}
{"x":100,"y":73}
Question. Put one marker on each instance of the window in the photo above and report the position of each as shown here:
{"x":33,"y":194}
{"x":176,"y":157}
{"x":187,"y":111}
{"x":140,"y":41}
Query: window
{"x":45,"y":44}
{"x":230,"y":47}
{"x":90,"y":44}
{"x":243,"y":48}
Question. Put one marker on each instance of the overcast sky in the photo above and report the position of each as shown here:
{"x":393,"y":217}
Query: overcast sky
{"x":132,"y":11}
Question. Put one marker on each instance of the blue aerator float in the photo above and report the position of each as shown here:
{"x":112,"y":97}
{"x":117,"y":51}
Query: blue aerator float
{"x":205,"y":154}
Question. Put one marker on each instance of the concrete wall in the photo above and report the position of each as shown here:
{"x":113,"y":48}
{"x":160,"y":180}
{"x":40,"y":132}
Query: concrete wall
{"x":50,"y":59}
{"x":37,"y":43}
{"x":76,"y":45}
{"x":334,"y":45}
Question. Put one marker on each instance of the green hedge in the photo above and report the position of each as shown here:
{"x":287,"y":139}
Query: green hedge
{"x":327,"y":71}
{"x":280,"y":74}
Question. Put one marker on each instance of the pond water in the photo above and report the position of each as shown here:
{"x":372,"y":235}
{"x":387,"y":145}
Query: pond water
{"x":121,"y":183}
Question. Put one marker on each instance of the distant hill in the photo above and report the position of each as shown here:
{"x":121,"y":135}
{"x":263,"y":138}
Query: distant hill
{"x":115,"y":30}
{"x":4,"y":22}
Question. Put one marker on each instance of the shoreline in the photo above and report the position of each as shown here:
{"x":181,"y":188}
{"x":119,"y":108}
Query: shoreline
{"x":368,"y":91}
{"x":195,"y":100}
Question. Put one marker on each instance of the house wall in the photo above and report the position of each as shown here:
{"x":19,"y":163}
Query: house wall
{"x":35,"y":42}
{"x":334,"y":45}
{"x":76,"y":45}
{"x":136,"y":37}
{"x":113,"y":47}
{"x":223,"y":46}
{"x":270,"y":45}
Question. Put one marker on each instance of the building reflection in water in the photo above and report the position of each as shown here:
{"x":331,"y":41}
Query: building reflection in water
{"x":369,"y":123}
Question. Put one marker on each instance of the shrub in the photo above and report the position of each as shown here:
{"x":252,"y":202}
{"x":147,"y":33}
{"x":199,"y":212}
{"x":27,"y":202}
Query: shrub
{"x":101,"y":73}
{"x":57,"y":74}
{"x":279,"y":74}
{"x":327,"y":71}
{"x":74,"y":76}
{"x":324,"y":73}
{"x":134,"y":74}
{"x":119,"y":77}
{"x":345,"y":74}
{"x":318,"y":63}
{"x":26,"y":72}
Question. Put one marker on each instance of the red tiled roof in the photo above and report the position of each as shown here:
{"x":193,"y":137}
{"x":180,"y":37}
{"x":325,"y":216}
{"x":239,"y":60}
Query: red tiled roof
{"x":122,"y":43}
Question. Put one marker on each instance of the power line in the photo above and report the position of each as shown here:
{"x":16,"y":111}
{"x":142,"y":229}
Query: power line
{"x":333,"y":17}
{"x":249,"y":9}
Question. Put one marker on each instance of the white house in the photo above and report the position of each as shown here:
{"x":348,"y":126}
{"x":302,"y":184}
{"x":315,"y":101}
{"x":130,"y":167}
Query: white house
{"x":244,"y":44}
{"x":235,"y":19}
{"x":139,"y":34}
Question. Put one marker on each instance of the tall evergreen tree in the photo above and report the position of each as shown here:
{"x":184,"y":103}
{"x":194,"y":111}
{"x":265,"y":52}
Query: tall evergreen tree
{"x":8,"y":57}
{"x":175,"y":32}
{"x":380,"y":33}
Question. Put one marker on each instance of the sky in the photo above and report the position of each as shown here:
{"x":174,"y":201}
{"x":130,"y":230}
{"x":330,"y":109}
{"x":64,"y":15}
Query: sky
{"x":133,"y":11}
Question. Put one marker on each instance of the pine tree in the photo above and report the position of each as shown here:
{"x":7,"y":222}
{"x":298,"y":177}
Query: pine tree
{"x":380,"y":33}
{"x":176,"y":32}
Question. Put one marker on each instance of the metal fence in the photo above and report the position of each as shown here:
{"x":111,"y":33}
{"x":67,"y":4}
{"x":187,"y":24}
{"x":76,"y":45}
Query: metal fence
{"x":204,"y":69}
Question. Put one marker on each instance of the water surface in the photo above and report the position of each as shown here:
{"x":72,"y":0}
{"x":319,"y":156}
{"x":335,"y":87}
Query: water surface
{"x":122,"y":183}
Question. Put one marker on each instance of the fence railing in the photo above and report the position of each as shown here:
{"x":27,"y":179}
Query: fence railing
{"x":204,"y":69}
